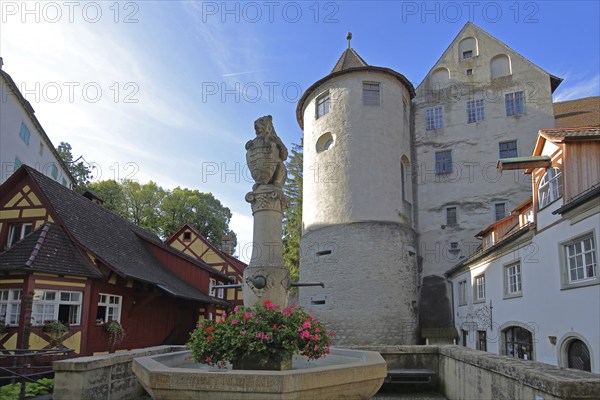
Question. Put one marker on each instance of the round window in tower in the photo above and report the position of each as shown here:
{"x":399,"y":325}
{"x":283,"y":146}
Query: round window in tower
{"x":325,"y":142}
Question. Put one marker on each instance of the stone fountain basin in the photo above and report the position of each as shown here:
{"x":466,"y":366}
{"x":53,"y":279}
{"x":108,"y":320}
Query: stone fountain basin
{"x":343,"y":374}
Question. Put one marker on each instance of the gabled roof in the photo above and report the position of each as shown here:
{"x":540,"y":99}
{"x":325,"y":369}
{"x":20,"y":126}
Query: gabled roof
{"x":554,"y":80}
{"x":349,"y":59}
{"x":116,"y":242}
{"x":559,"y":135}
{"x":48,"y":249}
{"x":575,"y":113}
{"x":29,"y":110}
{"x":237,"y":264}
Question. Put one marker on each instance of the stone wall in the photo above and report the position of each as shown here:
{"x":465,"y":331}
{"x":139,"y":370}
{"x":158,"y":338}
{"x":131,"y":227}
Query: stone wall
{"x":465,"y":373}
{"x":106,"y":377}
{"x":370,"y":295}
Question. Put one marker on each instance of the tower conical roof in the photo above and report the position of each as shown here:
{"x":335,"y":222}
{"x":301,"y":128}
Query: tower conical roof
{"x":349,"y":59}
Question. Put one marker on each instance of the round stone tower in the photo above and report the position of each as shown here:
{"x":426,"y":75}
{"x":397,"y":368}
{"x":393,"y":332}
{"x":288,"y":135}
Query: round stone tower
{"x":358,"y":237}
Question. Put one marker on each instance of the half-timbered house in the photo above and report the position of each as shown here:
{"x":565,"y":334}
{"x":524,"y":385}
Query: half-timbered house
{"x":190,"y":241}
{"x":66,"y":258}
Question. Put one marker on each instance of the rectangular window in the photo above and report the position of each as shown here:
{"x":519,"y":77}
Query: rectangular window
{"x":475,"y":111}
{"x":17,"y":232}
{"x":482,"y":340}
{"x":469,"y":72}
{"x":467,"y":54}
{"x":508,"y":149}
{"x":462,"y":293}
{"x":513,"y":279}
{"x":50,"y":305}
{"x":371,"y":95}
{"x":10,"y":306}
{"x":109,"y":308}
{"x":451,"y":218}
{"x":499,"y":211}
{"x":323,"y":103}
{"x":434,"y":118}
{"x":581,"y":259}
{"x":515,"y":103}
{"x":211,"y":289}
{"x":479,"y":288}
{"x":443,"y":162}
{"x":489,"y":239}
{"x":24,"y":133}
{"x":465,"y":336}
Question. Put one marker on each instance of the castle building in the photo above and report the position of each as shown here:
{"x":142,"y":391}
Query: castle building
{"x":359,"y":237}
{"x":398,"y":181}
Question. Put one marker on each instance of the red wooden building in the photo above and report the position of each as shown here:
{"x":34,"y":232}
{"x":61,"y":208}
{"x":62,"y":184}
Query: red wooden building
{"x":190,"y":241}
{"x":64,"y":257}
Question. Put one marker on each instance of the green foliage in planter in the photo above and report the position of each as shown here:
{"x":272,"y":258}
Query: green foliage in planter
{"x":55,"y":327}
{"x":32,"y":389}
{"x":264,"y":332}
{"x":116,"y":333}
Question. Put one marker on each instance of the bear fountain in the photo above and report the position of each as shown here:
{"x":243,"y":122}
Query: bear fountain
{"x":343,"y":374}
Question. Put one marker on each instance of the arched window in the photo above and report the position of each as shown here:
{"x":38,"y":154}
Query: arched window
{"x":578,"y":356}
{"x":518,"y":342}
{"x":325,"y":142}
{"x":467,"y":48}
{"x":440,"y":78}
{"x":550,"y":188}
{"x":500,"y":66}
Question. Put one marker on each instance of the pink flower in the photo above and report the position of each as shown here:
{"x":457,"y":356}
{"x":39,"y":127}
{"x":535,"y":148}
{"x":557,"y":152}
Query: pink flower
{"x":306,"y":324}
{"x":305,"y":334}
{"x":268,"y":305}
{"x":235,"y":309}
{"x":208,"y":360}
{"x":247,"y":316}
{"x":287,"y":311}
{"x":242,"y":332}
{"x":234,"y":322}
{"x":210,"y":329}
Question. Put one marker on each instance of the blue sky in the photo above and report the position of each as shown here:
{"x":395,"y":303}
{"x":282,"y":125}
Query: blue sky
{"x":168,"y":90}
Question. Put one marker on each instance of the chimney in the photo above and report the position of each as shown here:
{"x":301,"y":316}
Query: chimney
{"x":1,"y":62}
{"x":226,"y":244}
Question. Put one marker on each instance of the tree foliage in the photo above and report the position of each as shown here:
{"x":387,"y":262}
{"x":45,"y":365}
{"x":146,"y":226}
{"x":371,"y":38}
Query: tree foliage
{"x":292,"y":217}
{"x":163,"y":211}
{"x":79,"y":169}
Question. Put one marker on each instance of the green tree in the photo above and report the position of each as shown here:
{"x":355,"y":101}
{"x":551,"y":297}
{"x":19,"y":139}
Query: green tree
{"x":202,"y":210}
{"x":79,"y":169}
{"x":142,"y":204}
{"x":111,"y":192}
{"x":292,"y":217}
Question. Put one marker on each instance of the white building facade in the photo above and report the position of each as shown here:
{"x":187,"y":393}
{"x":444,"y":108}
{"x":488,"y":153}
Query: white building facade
{"x":22,"y":138}
{"x":533,"y":291}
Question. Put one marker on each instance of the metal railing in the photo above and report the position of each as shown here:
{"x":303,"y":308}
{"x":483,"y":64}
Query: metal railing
{"x":25,"y":365}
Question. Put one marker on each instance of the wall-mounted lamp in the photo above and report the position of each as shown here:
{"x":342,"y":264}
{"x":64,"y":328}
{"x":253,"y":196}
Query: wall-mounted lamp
{"x":552,"y":339}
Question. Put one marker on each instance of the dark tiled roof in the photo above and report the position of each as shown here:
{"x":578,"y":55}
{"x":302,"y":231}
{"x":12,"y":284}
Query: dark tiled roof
{"x":571,"y":133}
{"x":576,"y":113}
{"x":47,"y":249}
{"x":117,"y":242}
{"x":349,"y":59}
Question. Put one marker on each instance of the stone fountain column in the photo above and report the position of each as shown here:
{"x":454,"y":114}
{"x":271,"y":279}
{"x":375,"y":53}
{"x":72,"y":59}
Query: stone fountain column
{"x":266,"y":277}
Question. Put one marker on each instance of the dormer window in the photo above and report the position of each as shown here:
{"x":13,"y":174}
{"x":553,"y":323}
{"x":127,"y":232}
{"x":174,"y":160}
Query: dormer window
{"x":550,"y":188}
